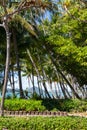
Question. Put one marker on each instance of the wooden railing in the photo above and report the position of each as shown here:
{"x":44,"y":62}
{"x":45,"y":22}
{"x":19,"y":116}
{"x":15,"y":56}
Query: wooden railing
{"x":34,"y":113}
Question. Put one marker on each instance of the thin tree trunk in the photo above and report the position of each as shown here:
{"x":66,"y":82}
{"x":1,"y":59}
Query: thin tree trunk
{"x":66,"y":80}
{"x":58,"y":70}
{"x":39,"y":86}
{"x":44,"y":83}
{"x":6,"y":67}
{"x":63,"y":90}
{"x":13,"y":84}
{"x":59,"y":91}
{"x":50,"y":84}
{"x":61,"y":83}
{"x":85,"y":92}
{"x":9,"y":78}
{"x":67,"y":91}
{"x":33,"y":63}
{"x":56,"y":92}
{"x":18,"y":64}
{"x":33,"y":80}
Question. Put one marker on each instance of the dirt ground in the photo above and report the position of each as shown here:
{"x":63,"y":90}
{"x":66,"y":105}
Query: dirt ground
{"x":81,"y":114}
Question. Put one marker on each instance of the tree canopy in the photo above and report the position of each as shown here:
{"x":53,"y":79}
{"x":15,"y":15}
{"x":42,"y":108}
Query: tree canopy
{"x":67,"y":39}
{"x":52,"y":47}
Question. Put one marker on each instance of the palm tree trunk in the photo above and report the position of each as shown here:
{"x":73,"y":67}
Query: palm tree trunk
{"x":10,"y":80}
{"x":18,"y":64}
{"x":67,"y":91}
{"x":44,"y":83}
{"x":33,"y":80}
{"x":56,"y":90}
{"x":13,"y":83}
{"x":59,"y":71}
{"x":39,"y":86}
{"x":34,"y":65}
{"x":6,"y":67}
{"x":63,"y":90}
{"x":75,"y":93}
{"x":50,"y":85}
{"x":59,"y":91}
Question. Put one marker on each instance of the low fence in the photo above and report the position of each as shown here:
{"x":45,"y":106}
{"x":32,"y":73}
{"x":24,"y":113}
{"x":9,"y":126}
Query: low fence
{"x":34,"y":113}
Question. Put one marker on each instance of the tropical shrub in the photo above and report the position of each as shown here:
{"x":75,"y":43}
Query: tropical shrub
{"x":23,"y":104}
{"x":68,"y":105}
{"x":43,"y":123}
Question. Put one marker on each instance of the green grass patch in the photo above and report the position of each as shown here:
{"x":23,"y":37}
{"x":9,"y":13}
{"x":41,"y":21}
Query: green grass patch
{"x":43,"y":123}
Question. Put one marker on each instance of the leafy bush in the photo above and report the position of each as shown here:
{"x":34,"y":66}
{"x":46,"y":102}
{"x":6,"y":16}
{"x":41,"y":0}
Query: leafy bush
{"x":35,"y":96}
{"x":43,"y":123}
{"x":22,"y":104}
{"x":68,"y":105}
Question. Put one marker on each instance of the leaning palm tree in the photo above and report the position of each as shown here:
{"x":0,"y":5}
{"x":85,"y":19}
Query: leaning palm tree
{"x":7,"y":14}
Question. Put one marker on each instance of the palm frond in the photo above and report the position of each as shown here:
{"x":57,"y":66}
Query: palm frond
{"x":25,"y":24}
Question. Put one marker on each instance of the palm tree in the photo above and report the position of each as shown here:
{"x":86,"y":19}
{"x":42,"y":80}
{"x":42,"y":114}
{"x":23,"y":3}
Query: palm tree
{"x":9,"y":15}
{"x":18,"y":63}
{"x":8,"y":35}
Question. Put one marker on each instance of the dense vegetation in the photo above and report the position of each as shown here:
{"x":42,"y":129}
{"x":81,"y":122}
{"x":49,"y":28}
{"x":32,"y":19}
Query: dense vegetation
{"x":43,"y":123}
{"x":53,"y":49}
{"x":68,"y":37}
{"x":68,"y":105}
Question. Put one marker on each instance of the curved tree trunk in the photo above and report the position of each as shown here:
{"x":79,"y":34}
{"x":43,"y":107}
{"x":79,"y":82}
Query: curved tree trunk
{"x":6,"y":67}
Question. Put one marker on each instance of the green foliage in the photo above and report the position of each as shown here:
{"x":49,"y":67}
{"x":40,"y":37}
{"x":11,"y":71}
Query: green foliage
{"x":68,"y":105}
{"x":21,"y":104}
{"x":24,"y":23}
{"x":67,"y":39}
{"x":43,"y":123}
{"x":74,"y":105}
{"x":35,"y":96}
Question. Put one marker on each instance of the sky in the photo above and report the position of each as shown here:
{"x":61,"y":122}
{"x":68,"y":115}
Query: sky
{"x":25,"y":83}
